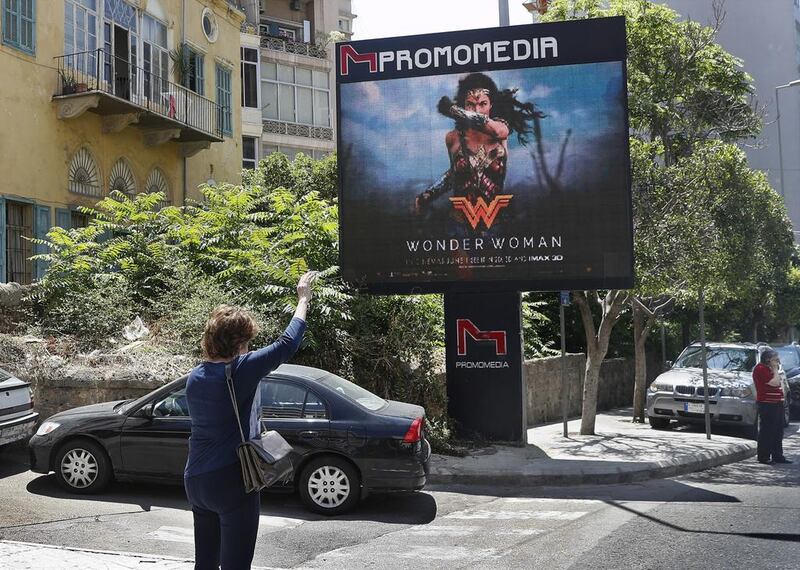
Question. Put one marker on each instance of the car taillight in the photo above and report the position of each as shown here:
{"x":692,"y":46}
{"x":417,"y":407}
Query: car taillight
{"x":414,"y":433}
{"x":30,"y":391}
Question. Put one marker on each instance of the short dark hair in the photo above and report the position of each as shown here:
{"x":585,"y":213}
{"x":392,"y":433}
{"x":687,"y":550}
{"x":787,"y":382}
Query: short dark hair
{"x":767,"y":355}
{"x":227,"y":330}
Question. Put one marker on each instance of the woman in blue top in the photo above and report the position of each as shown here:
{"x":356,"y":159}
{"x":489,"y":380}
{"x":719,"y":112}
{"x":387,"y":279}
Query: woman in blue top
{"x":225,"y":517}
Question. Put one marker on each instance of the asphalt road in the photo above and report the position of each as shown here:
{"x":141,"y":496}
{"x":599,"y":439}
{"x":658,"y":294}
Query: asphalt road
{"x":744,"y":515}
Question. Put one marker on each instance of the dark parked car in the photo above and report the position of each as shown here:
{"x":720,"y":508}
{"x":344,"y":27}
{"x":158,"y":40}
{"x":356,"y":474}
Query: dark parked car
{"x":790,"y":360}
{"x":344,"y":437}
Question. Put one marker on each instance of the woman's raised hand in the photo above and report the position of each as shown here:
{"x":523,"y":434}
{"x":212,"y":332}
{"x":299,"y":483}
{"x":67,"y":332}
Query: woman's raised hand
{"x":304,"y":286}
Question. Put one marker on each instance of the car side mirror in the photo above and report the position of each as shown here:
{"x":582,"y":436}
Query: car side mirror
{"x":668,"y":364}
{"x":145,"y":411}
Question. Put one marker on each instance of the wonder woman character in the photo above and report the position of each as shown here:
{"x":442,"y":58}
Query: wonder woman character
{"x":478,"y":146}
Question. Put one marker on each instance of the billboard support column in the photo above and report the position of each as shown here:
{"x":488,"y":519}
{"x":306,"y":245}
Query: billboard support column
{"x":486,"y":389}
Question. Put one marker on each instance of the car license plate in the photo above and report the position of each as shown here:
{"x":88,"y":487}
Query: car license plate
{"x":693,"y":408}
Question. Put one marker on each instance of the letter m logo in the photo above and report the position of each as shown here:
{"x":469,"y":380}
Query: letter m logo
{"x":466,"y":327}
{"x":348,"y":54}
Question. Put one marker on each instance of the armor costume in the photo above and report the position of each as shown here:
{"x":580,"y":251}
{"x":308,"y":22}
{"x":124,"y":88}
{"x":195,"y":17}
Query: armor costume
{"x":473,"y":175}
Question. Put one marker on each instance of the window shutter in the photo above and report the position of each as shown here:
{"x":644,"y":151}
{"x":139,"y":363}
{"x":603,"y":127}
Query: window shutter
{"x":41,"y":225}
{"x":2,"y":240}
{"x":63,"y":218}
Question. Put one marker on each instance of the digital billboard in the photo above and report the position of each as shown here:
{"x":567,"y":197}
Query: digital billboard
{"x":486,"y":160}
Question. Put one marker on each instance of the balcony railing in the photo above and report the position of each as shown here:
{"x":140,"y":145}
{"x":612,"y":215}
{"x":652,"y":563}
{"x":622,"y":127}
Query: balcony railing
{"x":285,"y":128}
{"x":100,"y":71}
{"x":280,"y":43}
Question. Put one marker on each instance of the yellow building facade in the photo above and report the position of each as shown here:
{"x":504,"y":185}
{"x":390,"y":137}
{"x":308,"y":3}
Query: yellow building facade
{"x":101,"y":95}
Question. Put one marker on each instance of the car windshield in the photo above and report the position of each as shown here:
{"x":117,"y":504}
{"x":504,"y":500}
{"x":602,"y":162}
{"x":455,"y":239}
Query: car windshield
{"x":788,"y":356}
{"x":359,"y":395}
{"x":718,"y":358}
{"x":4,"y":375}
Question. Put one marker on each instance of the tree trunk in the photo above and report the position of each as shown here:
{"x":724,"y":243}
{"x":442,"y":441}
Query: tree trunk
{"x":640,"y":365}
{"x":596,"y":346}
{"x":591,"y":382}
{"x":686,"y":331}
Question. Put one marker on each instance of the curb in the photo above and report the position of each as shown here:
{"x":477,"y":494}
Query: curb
{"x":638,"y":471}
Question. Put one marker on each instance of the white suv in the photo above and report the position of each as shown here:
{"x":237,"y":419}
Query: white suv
{"x":678,"y":394}
{"x":17,"y":418}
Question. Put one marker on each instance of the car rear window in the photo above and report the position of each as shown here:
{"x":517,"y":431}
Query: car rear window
{"x":718,"y":358}
{"x":354,"y":392}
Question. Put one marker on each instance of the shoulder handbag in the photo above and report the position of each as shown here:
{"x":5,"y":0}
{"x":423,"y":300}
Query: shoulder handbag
{"x":264,"y":460}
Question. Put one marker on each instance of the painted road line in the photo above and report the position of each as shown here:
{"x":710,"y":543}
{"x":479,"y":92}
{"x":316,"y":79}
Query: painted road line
{"x":172,"y":534}
{"x":481,"y":514}
{"x":266,"y":524}
{"x":31,"y":556}
{"x":442,"y":530}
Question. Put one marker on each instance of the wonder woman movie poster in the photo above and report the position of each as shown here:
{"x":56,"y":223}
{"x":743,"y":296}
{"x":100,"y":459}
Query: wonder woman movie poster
{"x":486,"y":160}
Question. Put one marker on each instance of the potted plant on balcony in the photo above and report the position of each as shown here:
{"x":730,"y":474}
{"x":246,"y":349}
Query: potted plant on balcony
{"x":81,"y":87}
{"x":67,"y":82}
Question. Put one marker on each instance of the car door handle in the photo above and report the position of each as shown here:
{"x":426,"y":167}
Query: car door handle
{"x":308,"y":434}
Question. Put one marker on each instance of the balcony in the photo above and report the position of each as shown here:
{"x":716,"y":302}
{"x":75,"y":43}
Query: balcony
{"x":279,"y":43}
{"x":125,"y":94}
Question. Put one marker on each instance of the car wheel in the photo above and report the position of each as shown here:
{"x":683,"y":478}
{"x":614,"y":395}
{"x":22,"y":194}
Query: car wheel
{"x":330,"y":485}
{"x":82,"y":466}
{"x":658,"y":423}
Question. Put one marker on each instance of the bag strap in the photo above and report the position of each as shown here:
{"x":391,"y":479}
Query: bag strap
{"x":229,"y":380}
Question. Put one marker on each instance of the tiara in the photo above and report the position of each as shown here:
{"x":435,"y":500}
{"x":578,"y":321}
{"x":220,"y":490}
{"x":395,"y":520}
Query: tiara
{"x":477,"y":92}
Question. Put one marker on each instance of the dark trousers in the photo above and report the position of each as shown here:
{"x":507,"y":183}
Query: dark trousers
{"x":770,"y":432}
{"x":225,"y":519}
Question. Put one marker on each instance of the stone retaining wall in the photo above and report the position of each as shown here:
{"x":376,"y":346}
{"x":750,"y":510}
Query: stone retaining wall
{"x":543,"y":379}
{"x":86,"y":379}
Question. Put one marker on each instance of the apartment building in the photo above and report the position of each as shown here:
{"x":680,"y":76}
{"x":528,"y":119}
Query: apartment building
{"x":288,"y":80}
{"x":104,"y":95}
{"x":765,"y":35}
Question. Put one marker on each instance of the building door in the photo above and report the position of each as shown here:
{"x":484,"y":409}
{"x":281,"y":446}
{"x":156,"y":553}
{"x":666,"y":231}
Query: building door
{"x":19,"y":225}
{"x":122,"y":66}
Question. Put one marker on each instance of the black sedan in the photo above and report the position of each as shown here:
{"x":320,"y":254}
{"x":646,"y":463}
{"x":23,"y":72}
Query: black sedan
{"x":344,"y":437}
{"x":790,"y":360}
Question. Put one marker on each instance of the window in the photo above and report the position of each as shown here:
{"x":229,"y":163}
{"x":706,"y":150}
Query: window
{"x":344,"y":25}
{"x":789,"y":357}
{"x":285,"y":400}
{"x":250,"y":78}
{"x":718,"y":358}
{"x":80,"y":35}
{"x":292,"y":152}
{"x":353,"y":392}
{"x":295,"y":94}
{"x":287,"y":33}
{"x":157,"y":182}
{"x":172,"y":406}
{"x":19,"y":226}
{"x":210,"y":25}
{"x":195,"y":75}
{"x":83,"y":177}
{"x":155,"y":57}
{"x":19,"y":24}
{"x":78,"y":219}
{"x":224,"y":99}
{"x":121,"y":179}
{"x":249,"y":158}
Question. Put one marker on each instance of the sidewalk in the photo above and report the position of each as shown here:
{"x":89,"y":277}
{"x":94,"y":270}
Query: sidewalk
{"x":620,"y":452}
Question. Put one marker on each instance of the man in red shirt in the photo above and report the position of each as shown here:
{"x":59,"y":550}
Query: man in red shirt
{"x":769,"y":398}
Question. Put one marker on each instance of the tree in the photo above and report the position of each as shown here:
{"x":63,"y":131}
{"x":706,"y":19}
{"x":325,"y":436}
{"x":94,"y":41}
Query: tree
{"x":683,"y":89}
